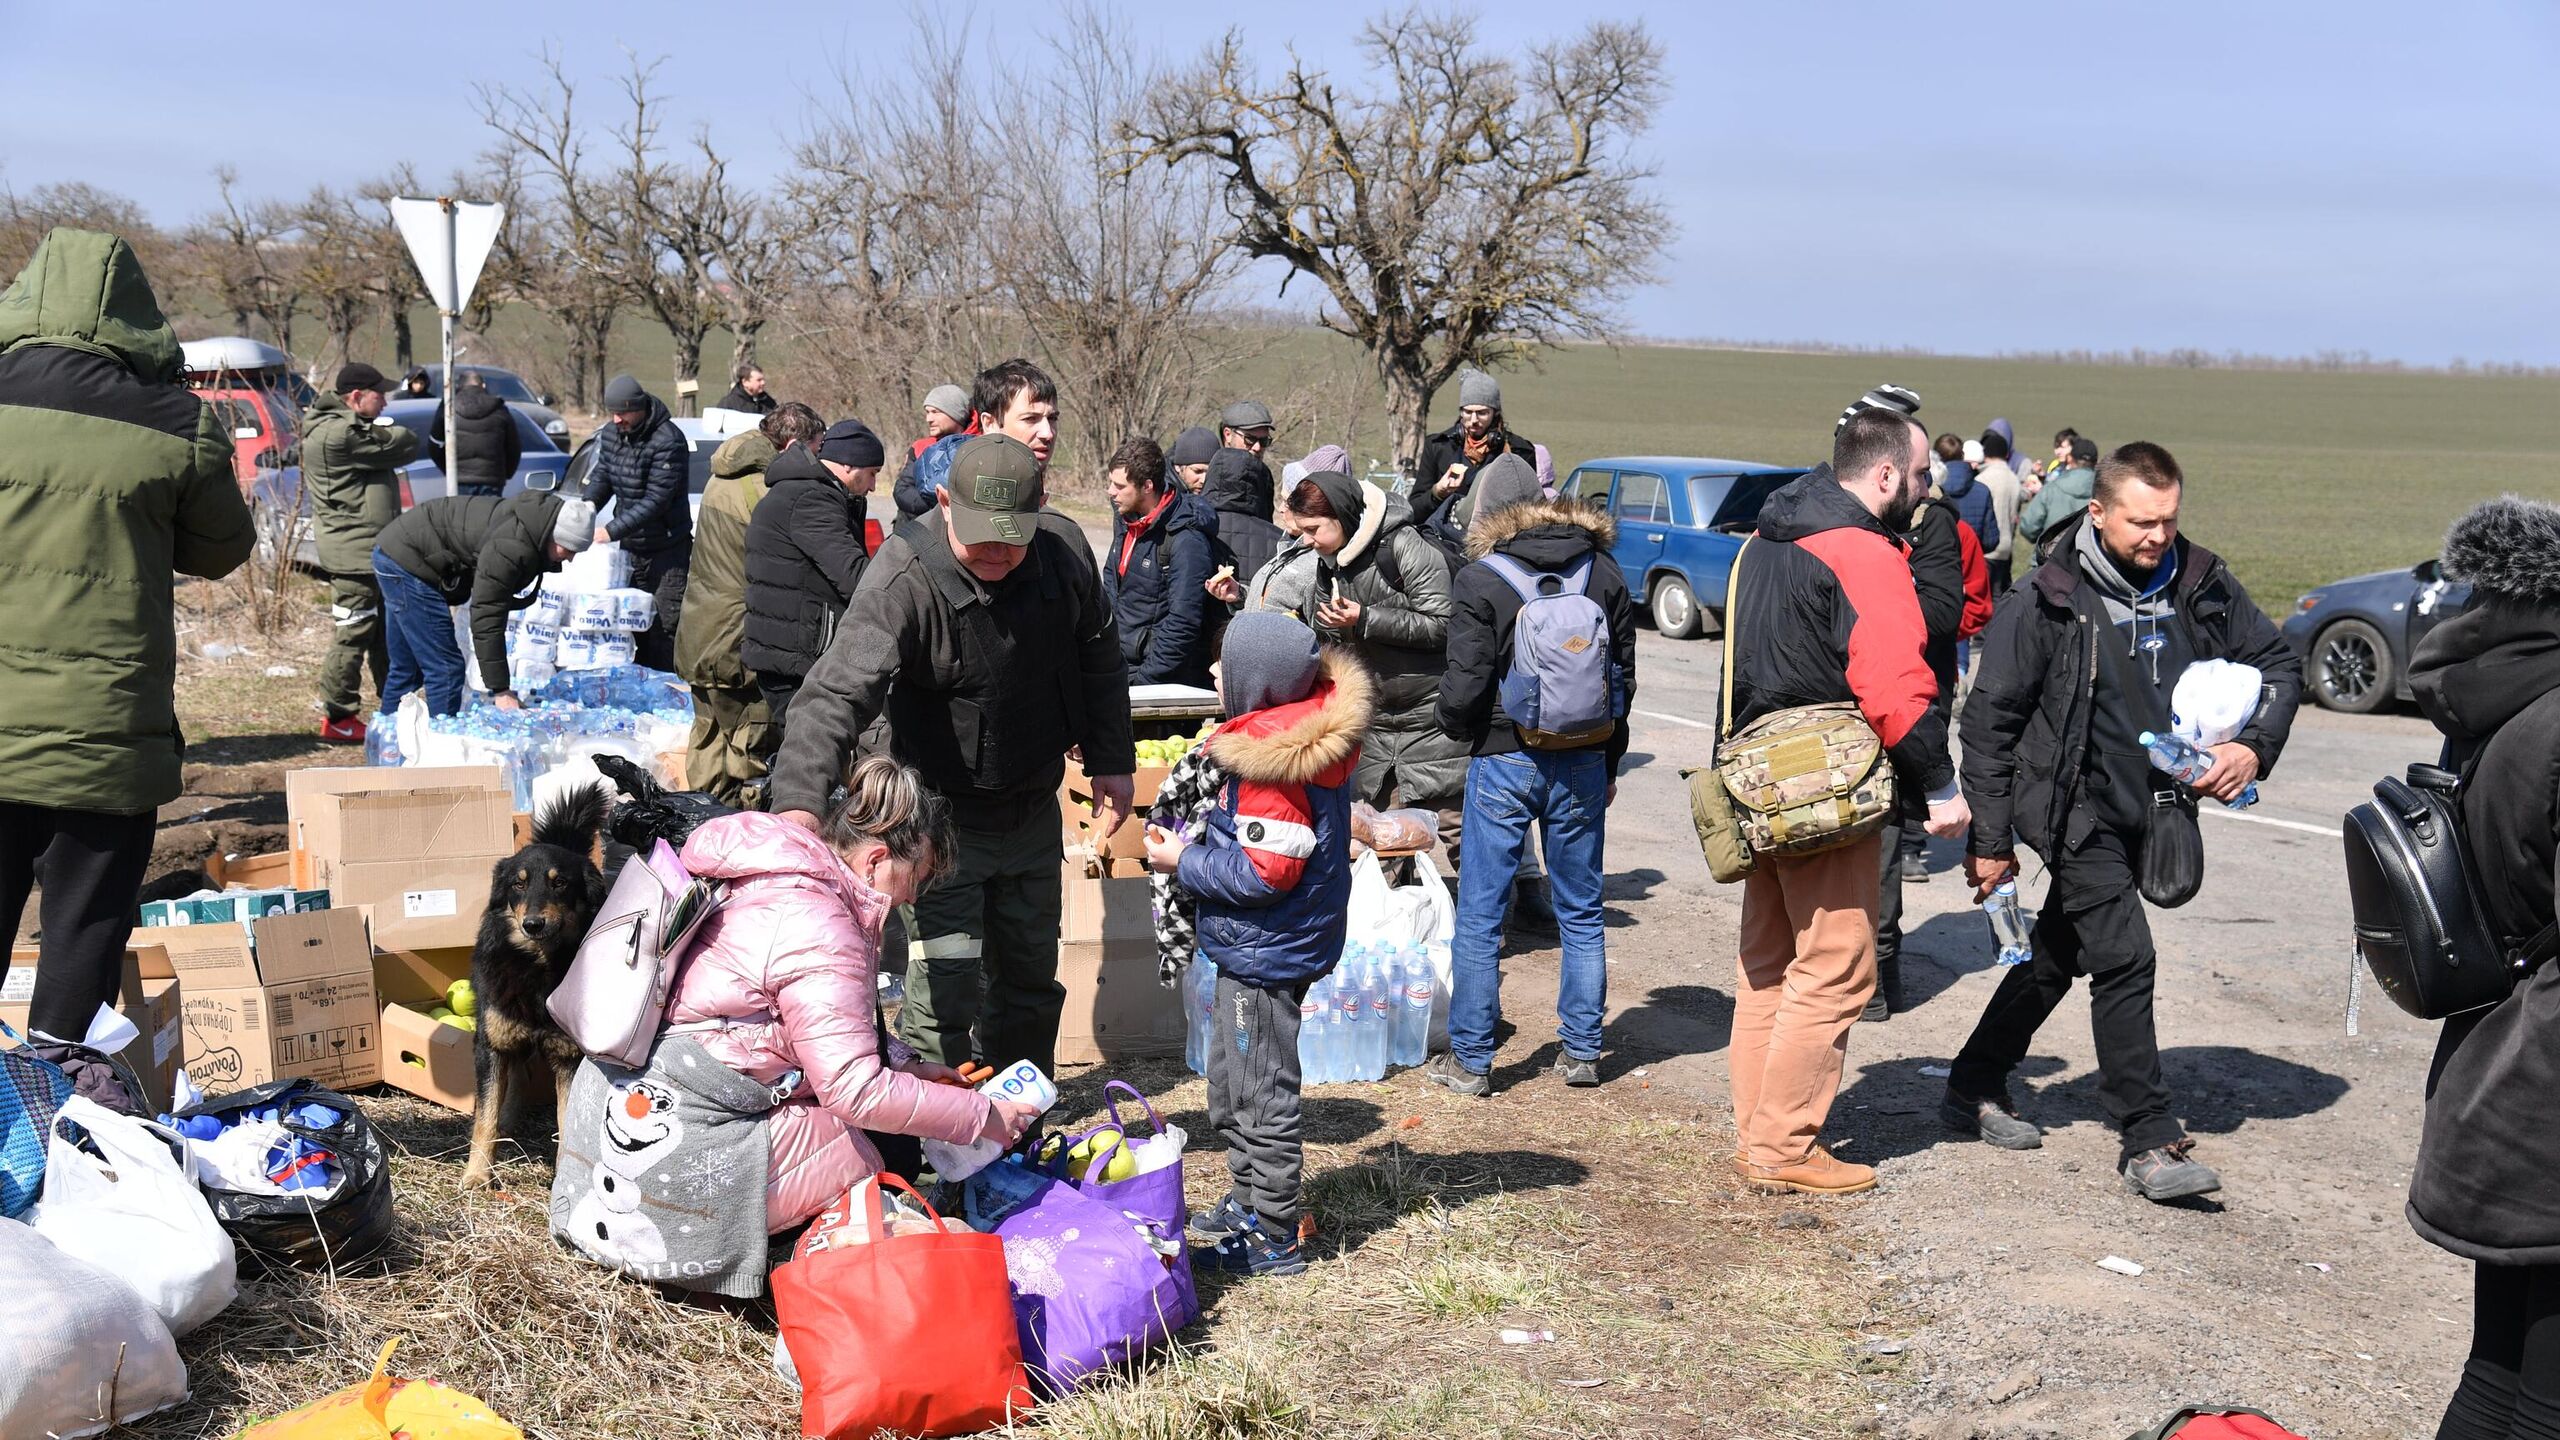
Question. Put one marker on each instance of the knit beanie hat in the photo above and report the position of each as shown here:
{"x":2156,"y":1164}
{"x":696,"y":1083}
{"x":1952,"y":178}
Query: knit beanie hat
{"x":623,"y":393}
{"x":1328,"y":457}
{"x":1477,"y":388}
{"x":1505,"y":481}
{"x":1270,"y":659}
{"x":1883,"y":397}
{"x":575,"y":530}
{"x":1193,"y":446}
{"x":951,"y":400}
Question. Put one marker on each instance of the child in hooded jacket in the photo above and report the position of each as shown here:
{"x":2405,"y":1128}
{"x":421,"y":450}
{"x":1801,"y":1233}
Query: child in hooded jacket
{"x":1272,"y":870}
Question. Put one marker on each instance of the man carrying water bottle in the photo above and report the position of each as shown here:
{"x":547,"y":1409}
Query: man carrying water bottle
{"x":2076,"y":669}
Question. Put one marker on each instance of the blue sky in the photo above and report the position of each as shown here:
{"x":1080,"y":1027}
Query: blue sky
{"x":1970,"y":177}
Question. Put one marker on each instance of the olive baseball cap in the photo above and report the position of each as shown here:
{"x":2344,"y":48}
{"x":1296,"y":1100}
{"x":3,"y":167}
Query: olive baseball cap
{"x":994,"y":487}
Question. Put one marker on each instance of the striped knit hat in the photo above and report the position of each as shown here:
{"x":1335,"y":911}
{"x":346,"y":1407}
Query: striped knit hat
{"x":1883,"y":397}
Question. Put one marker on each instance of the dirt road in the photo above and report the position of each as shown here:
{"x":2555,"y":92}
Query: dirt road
{"x":2302,"y":1291}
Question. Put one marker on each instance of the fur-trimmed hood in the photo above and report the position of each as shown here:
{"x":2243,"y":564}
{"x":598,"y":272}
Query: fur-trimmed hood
{"x":1297,"y":742}
{"x":2509,"y":546}
{"x":1490,"y":532}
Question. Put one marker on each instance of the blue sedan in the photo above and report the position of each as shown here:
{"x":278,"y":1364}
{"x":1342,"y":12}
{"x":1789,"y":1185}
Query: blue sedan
{"x":2356,"y":635}
{"x":1680,"y":523}
{"x":275,"y":494}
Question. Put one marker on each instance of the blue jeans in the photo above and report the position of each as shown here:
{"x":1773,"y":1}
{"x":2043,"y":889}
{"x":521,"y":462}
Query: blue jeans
{"x":418,"y":628}
{"x":1565,"y":792}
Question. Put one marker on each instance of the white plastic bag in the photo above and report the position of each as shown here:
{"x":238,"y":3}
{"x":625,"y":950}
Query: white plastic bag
{"x":2215,"y":701}
{"x":74,"y":1336}
{"x":138,"y":1216}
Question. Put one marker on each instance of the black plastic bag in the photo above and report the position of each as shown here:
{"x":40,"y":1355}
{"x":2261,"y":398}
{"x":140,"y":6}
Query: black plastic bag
{"x":650,"y":811}
{"x":2172,"y":850}
{"x":290,"y":1229}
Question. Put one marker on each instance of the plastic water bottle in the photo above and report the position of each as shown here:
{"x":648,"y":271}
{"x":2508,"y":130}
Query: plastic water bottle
{"x":1200,"y":994}
{"x":1351,"y":1012}
{"x":1385,"y":1008}
{"x":1413,"y":1031}
{"x":1311,"y":1035}
{"x":2179,"y":757}
{"x":2010,"y":924}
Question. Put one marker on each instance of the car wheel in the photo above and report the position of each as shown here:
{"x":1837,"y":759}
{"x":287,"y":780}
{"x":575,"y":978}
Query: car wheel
{"x":1675,"y":609}
{"x":2352,"y":668}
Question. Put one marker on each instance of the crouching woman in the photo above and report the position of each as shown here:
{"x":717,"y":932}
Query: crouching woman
{"x":786,"y":977}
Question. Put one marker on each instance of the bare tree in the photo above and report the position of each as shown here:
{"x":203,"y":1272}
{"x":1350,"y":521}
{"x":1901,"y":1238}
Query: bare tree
{"x":24,"y":219}
{"x":237,"y":254}
{"x":334,"y":268}
{"x":899,"y":290}
{"x":545,"y":257}
{"x":1473,"y":208}
{"x":398,"y":287}
{"x":1109,"y":266}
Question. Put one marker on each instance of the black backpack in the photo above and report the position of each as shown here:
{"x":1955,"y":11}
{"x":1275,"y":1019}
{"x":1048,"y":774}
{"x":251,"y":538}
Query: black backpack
{"x":2419,"y":923}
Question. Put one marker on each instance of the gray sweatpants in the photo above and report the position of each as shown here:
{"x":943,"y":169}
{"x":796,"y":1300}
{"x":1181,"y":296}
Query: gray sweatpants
{"x":1253,"y":1098}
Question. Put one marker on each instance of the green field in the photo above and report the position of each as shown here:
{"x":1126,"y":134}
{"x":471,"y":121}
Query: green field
{"x":2295,"y":478}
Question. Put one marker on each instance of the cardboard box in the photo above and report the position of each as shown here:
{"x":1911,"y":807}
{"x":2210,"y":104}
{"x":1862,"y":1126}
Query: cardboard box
{"x":298,"y":1001}
{"x":255,"y":872}
{"x":1117,"y":905}
{"x":420,"y":1054}
{"x":1115,"y":1008}
{"x":233,"y":907}
{"x":412,"y":845}
{"x":1075,"y":806}
{"x":147,"y":995}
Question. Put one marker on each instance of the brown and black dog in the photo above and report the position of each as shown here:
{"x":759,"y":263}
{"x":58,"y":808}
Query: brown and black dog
{"x":541,"y":901}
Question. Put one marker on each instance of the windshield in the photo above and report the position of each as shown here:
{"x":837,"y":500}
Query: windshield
{"x":1732,"y":502}
{"x":505,"y":384}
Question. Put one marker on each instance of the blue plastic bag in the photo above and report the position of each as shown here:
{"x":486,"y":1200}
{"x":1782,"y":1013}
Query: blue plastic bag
{"x":31,"y":1094}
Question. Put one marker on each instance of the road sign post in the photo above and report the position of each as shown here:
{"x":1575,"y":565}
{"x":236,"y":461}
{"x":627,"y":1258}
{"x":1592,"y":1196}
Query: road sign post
{"x":449,"y":239}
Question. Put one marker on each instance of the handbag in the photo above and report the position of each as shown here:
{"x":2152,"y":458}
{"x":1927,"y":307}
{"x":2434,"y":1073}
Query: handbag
{"x":133,"y":1211}
{"x":2217,"y":1422}
{"x":2172,"y":849}
{"x":909,"y":1333}
{"x":1152,"y":1197}
{"x":1799,"y":781}
{"x":1088,"y":1292}
{"x":32,"y":1089}
{"x":614,"y":998}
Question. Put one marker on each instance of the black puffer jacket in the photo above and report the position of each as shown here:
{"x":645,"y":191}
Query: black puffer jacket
{"x":1552,"y":536}
{"x":1239,"y":483}
{"x":482,"y":550}
{"x":804,"y":556}
{"x":739,"y":399}
{"x":1155,"y":580}
{"x":643,"y":473}
{"x":2027,"y":723}
{"x":1446,"y":521}
{"x":484,"y":431}
{"x":2490,"y":680}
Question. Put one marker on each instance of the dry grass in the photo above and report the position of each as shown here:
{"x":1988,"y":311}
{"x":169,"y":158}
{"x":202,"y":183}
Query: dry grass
{"x":1679,"y":1308}
{"x":229,"y":693}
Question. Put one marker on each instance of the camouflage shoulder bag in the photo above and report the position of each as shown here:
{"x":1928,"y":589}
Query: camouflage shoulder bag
{"x":1798,"y":781}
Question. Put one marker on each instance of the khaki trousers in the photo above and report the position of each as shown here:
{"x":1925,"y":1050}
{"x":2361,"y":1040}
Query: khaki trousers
{"x":1808,"y":967}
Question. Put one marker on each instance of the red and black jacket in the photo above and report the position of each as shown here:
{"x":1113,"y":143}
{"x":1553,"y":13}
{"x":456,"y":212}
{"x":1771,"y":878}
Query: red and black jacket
{"x":1827,"y":613}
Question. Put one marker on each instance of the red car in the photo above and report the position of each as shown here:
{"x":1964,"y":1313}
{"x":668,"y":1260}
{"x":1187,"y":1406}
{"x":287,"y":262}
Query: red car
{"x":260,"y":397}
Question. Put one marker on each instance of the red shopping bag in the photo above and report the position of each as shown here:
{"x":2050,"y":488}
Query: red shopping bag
{"x":907,"y":1333}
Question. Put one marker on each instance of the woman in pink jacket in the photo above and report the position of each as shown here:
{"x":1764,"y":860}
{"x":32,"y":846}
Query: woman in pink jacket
{"x":786,"y":979}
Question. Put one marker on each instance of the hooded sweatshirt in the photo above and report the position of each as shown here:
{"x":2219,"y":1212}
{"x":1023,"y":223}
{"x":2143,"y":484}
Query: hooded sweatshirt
{"x":2138,"y":671}
{"x":1975,"y":504}
{"x":112,"y":477}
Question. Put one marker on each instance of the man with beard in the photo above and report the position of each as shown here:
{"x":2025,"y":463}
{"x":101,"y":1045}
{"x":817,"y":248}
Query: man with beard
{"x":1452,"y":459}
{"x":640,"y":466}
{"x":1825,"y":613}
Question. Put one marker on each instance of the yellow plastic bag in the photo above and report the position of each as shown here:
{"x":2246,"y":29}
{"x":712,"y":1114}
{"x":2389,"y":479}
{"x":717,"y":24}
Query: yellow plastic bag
{"x":388,"y":1408}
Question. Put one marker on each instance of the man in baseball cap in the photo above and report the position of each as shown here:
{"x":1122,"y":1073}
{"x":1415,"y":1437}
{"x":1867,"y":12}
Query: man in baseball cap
{"x":983,"y":633}
{"x":351,"y":459}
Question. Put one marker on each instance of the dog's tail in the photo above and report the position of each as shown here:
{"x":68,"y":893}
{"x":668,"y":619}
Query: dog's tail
{"x":572,"y":819}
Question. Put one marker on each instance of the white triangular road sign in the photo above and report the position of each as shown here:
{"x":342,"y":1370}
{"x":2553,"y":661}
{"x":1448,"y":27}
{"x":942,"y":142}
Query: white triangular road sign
{"x":449,"y":257}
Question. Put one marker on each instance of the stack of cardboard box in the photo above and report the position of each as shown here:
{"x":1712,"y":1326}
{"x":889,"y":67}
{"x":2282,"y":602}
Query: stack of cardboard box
{"x":147,"y":995}
{"x":1106,"y":936}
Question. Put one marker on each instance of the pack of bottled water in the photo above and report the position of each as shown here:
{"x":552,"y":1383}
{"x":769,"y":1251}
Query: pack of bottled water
{"x":629,"y":711}
{"x":1371,"y":1013}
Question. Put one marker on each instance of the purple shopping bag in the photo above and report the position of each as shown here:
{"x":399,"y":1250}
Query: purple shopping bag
{"x":1088,"y":1290}
{"x":1154,"y":1198}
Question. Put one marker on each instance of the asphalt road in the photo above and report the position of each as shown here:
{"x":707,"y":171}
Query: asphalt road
{"x":2299,"y":1289}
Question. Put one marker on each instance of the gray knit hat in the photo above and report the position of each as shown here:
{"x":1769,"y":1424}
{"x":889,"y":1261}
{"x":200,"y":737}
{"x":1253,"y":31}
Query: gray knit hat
{"x":951,"y":400}
{"x":1270,"y":659}
{"x":1193,"y":446}
{"x":1477,"y":388}
{"x":623,"y":393}
{"x":575,"y":530}
{"x":1505,"y":481}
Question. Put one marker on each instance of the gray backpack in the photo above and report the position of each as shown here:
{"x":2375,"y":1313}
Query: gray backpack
{"x":1559,"y":691}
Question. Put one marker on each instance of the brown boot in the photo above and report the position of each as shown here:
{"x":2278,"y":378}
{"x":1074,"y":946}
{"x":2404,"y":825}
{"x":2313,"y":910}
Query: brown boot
{"x":1816,"y":1174}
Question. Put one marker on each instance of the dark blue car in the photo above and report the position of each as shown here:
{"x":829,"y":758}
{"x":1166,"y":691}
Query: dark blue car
{"x":2356,"y":635}
{"x":1680,"y":522}
{"x":278,"y":493}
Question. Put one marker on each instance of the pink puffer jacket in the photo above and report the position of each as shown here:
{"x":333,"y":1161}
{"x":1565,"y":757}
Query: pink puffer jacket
{"x":788,"y":970}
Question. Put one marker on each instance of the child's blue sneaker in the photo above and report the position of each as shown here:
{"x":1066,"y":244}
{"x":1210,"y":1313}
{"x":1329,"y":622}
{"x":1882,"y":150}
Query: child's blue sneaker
{"x":1252,"y":1251}
{"x":1216,"y":1224}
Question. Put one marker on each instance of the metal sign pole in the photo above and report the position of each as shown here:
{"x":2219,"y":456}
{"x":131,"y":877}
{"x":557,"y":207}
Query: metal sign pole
{"x":452,"y":287}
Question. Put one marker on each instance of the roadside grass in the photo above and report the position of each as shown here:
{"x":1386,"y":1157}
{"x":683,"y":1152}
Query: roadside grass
{"x":1679,"y":1307}
{"x":233,"y":695}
